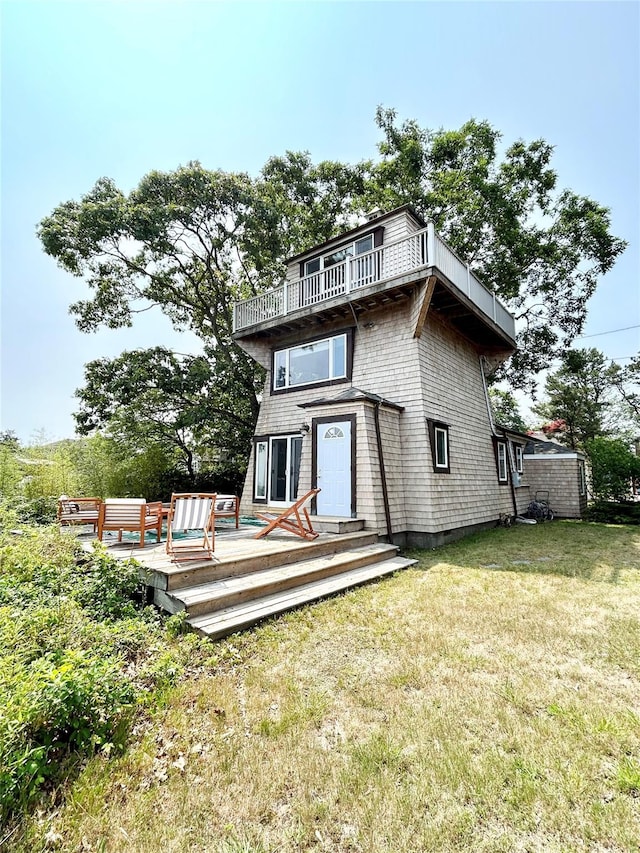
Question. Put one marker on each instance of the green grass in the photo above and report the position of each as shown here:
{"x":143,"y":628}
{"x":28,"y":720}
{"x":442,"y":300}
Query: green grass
{"x":487,"y":699}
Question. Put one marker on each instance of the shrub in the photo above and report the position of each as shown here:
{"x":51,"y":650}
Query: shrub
{"x":78,"y":656}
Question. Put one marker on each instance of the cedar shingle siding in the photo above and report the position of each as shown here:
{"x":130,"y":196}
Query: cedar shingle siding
{"x":436,"y":376}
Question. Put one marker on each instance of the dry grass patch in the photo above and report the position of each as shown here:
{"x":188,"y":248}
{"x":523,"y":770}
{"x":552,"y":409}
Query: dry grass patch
{"x":484,"y":700}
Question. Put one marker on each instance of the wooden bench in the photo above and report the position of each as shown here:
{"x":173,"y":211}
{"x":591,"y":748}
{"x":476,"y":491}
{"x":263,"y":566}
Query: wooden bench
{"x":79,"y":511}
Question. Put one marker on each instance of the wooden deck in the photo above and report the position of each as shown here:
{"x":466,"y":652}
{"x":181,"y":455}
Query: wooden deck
{"x":252,"y":579}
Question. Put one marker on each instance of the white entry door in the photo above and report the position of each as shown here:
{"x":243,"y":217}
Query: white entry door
{"x":333,"y":468}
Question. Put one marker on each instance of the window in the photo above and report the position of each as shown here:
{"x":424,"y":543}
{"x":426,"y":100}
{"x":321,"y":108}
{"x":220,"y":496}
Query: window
{"x":582,"y":478}
{"x":359,"y":247}
{"x":277,"y":468}
{"x":501,"y":456}
{"x":260,"y":478}
{"x":319,"y":361}
{"x":439,"y":438}
{"x":519,"y":458}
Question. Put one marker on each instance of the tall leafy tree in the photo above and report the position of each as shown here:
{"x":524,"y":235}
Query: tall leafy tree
{"x":153,"y":396}
{"x":191,"y":241}
{"x":627,"y":382}
{"x":541,"y":248}
{"x":580,"y":394}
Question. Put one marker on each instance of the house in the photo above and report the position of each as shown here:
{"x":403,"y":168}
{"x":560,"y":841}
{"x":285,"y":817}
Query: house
{"x":377,"y":347}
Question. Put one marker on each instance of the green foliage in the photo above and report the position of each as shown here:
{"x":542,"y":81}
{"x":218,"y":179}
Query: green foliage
{"x":613,"y":468}
{"x":156,"y":400}
{"x":613,"y":512}
{"x":192,"y":241}
{"x":580,"y":393}
{"x":627,"y":383}
{"x":540,"y":248}
{"x":78,"y":655}
{"x":505,"y":410}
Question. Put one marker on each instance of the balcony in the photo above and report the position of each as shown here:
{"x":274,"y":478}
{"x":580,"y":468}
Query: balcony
{"x":410,"y":259}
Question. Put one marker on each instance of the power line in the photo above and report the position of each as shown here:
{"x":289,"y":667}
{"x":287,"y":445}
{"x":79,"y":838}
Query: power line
{"x":597,"y":334}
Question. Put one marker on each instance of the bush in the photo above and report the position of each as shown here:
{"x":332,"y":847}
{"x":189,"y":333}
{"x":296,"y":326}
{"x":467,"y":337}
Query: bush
{"x":78,"y":657}
{"x":610,"y":512}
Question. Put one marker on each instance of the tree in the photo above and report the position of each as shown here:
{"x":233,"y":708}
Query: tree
{"x":613,"y":468}
{"x":192,"y":241}
{"x":541,"y":249}
{"x":154,"y":396}
{"x":580,"y":393}
{"x":505,"y":410}
{"x":627,"y":383}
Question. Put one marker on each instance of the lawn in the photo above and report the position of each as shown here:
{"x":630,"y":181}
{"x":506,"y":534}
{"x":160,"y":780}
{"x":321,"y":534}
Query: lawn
{"x":488,"y":699}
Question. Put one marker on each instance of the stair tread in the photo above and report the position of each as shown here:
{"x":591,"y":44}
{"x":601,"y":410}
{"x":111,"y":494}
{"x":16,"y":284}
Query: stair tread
{"x":264,"y":577}
{"x":244,"y":550}
{"x":237,"y":616}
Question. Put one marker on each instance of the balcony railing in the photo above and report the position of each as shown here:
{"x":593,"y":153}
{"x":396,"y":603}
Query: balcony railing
{"x":408,"y":255}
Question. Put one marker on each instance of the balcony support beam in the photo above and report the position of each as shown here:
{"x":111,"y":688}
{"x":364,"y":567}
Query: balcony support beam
{"x":424,"y":308}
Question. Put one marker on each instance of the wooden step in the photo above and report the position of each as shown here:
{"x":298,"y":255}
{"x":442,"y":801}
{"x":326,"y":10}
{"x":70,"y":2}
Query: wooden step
{"x":250,"y":556}
{"x":331,"y":524}
{"x":216,"y":595}
{"x":238,"y":616}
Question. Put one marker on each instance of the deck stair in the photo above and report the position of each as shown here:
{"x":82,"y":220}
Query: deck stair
{"x":221,"y":598}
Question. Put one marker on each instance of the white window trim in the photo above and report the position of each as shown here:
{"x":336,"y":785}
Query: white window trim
{"x":265,"y":458}
{"x":332,"y":374}
{"x":501,"y":451}
{"x":519,"y":458}
{"x":445,"y":433}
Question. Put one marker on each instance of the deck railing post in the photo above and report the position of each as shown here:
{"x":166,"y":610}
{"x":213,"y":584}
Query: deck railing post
{"x":495,"y":313}
{"x":468,"y":281}
{"x":347,"y":275}
{"x":235,"y":317}
{"x":431,"y":244}
{"x":284,"y":297}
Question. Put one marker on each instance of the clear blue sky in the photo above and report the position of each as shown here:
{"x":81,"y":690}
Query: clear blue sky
{"x":120,"y":88}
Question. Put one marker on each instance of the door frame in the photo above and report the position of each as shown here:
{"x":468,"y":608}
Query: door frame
{"x":328,"y":419}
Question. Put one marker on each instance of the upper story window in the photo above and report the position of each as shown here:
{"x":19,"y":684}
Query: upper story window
{"x":307,"y":364}
{"x":358,"y":247}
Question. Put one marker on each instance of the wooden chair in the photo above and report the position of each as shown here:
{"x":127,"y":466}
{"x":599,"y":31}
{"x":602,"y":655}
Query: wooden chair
{"x":191,"y":511}
{"x":228,"y":506}
{"x":131,"y":514}
{"x":291,"y":520}
{"x":78,"y":511}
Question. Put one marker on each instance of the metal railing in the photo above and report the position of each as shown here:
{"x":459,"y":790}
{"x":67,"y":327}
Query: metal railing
{"x":407,"y":255}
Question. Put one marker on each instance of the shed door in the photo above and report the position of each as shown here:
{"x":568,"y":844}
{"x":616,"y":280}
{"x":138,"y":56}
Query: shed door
{"x":333,"y":468}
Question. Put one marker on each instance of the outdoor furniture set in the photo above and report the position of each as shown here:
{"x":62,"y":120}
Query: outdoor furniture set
{"x":187,"y":512}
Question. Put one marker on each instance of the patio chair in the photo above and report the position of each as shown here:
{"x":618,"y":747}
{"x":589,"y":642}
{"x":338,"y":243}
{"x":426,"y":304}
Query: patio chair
{"x":131,"y":514}
{"x":190,"y":511}
{"x":290,"y":519}
{"x":78,"y":511}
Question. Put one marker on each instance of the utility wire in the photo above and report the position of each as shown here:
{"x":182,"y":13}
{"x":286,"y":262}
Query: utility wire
{"x":597,"y":334}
